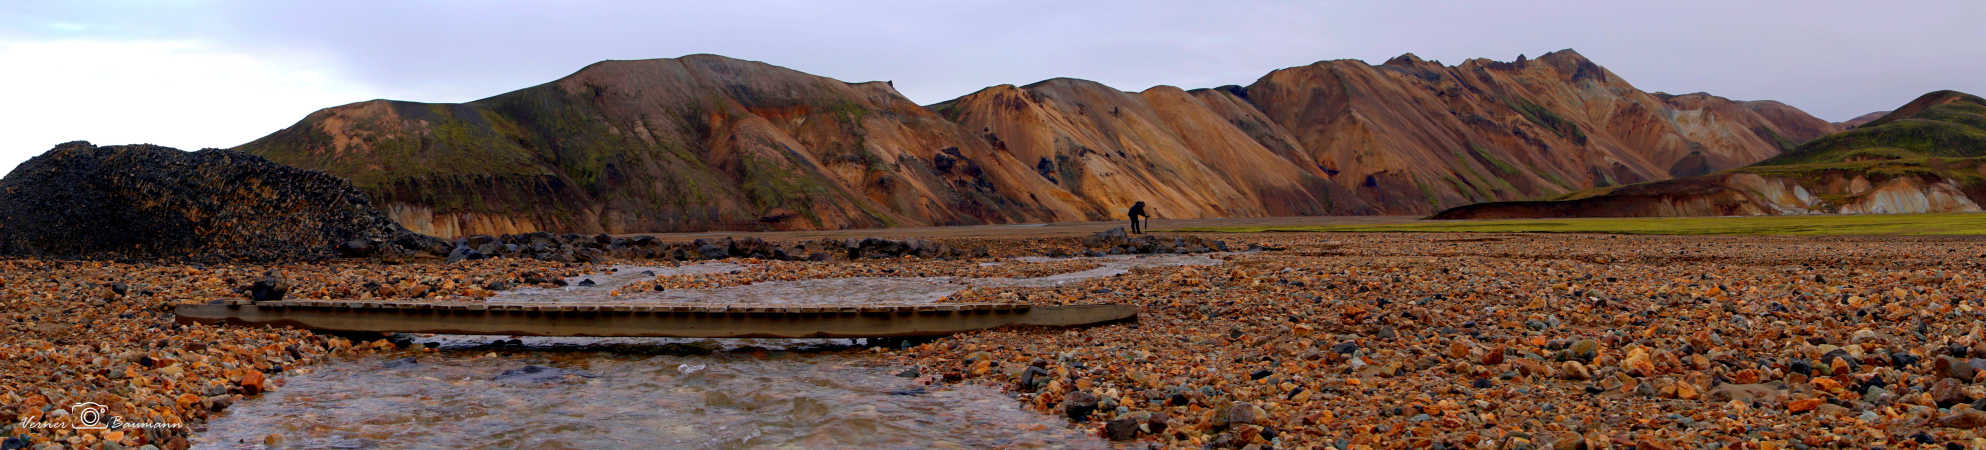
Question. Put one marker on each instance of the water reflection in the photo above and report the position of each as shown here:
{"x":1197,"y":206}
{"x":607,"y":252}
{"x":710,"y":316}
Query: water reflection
{"x":596,"y":400}
{"x":585,"y":392}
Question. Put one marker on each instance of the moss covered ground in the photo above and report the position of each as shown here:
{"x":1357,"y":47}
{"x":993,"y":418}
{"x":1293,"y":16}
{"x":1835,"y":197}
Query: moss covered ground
{"x":1871,"y":224}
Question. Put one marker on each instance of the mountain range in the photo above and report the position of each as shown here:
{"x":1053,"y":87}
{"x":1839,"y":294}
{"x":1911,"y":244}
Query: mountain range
{"x":705,"y":142}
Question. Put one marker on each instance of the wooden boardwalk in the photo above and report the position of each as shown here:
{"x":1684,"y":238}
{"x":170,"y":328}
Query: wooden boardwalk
{"x":649,"y":319}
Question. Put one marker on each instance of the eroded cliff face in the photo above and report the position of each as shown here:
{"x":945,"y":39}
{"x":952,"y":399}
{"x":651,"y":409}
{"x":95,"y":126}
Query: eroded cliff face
{"x":705,"y":142}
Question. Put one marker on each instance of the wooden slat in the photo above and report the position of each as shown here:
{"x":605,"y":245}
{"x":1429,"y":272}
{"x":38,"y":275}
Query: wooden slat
{"x":649,"y":319}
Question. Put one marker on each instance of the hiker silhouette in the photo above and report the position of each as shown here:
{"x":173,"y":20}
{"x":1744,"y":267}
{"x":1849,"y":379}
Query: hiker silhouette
{"x":1137,"y":213}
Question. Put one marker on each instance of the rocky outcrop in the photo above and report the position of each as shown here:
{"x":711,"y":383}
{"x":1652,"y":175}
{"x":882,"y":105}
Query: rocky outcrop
{"x":705,"y":142}
{"x":149,"y":202}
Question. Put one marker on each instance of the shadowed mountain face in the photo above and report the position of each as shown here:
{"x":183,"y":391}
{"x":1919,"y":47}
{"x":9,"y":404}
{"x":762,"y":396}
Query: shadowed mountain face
{"x":706,"y":142}
{"x":1927,"y":156}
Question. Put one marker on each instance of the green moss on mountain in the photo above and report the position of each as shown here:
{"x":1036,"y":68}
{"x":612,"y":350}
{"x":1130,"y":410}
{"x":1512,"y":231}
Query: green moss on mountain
{"x":1939,"y":124}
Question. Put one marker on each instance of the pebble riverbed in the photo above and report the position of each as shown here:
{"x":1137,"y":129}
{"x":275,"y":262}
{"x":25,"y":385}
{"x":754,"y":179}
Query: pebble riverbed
{"x":1350,"y":340}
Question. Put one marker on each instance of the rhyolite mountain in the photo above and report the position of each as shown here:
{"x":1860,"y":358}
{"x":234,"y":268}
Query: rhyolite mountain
{"x":1927,"y":156}
{"x":707,"y":142}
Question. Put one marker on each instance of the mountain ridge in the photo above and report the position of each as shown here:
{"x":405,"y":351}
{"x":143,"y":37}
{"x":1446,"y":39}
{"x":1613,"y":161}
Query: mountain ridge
{"x":705,"y":142}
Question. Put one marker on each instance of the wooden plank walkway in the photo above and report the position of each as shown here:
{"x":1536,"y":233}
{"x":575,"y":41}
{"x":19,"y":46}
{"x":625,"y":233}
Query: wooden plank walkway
{"x":649,"y":319}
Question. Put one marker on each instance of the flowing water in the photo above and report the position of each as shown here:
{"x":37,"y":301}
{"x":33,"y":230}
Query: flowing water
{"x":855,"y":290}
{"x":580,"y":400}
{"x":707,"y":393}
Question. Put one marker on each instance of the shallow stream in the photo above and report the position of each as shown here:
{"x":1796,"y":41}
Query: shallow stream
{"x":745,"y":394}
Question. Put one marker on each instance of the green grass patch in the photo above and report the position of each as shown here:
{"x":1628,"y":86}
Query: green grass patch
{"x":1961,"y":170}
{"x":1944,"y":124}
{"x":1501,"y":167}
{"x":1550,"y":121}
{"x":1870,"y":224}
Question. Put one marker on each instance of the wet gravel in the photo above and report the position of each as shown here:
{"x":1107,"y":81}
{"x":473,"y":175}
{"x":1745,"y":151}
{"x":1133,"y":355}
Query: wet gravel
{"x":1381,"y":340}
{"x":1512,"y":341}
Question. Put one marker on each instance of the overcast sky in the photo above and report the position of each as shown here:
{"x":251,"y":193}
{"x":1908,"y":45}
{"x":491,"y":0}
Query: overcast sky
{"x":194,"y":74}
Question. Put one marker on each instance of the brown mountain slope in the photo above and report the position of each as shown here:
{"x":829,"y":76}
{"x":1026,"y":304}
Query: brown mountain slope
{"x":693,"y":143}
{"x":1412,"y":135}
{"x":1164,"y":146}
{"x":1927,"y":156}
{"x":706,"y":142}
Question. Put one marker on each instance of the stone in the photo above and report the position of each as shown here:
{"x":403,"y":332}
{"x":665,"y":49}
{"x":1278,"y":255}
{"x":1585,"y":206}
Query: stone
{"x":1573,"y":370}
{"x":1122,"y":429}
{"x":1241,"y":413}
{"x":1078,"y":405}
{"x":217,"y":402}
{"x":252,"y":382}
{"x":1744,"y":393}
{"x":1803,"y":405}
{"x":1963,"y":417}
{"x":1033,"y":378}
{"x":1585,"y":350}
{"x":1947,"y":392}
{"x":1156,"y":423}
{"x":1800,"y":366}
{"x":271,"y":287}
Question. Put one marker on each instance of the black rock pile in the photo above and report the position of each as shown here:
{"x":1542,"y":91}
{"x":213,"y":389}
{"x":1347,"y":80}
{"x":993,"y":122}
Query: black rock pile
{"x":596,"y":248}
{"x":889,"y":248}
{"x":1116,"y":242}
{"x":146,"y":202}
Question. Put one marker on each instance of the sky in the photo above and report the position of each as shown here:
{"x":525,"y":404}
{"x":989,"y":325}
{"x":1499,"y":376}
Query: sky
{"x":194,"y":74}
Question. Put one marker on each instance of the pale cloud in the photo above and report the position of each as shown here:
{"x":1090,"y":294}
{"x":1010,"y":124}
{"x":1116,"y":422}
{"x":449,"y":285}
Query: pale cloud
{"x":183,"y":94}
